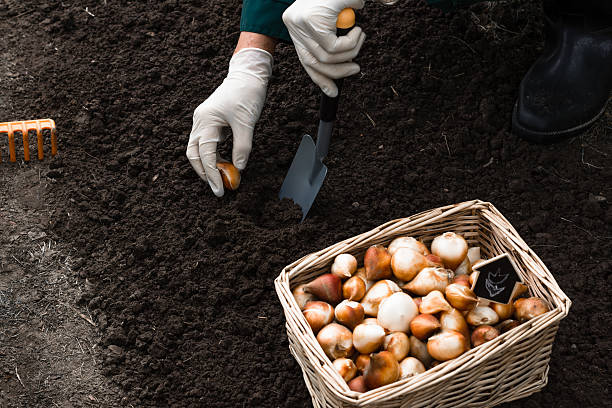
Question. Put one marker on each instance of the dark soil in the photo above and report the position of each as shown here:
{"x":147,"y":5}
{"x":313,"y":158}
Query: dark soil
{"x":182,"y":282}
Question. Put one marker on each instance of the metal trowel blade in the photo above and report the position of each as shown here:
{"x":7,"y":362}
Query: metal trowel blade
{"x":305,"y":176}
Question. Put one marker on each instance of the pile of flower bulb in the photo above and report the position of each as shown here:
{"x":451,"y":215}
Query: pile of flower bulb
{"x":407,"y":309}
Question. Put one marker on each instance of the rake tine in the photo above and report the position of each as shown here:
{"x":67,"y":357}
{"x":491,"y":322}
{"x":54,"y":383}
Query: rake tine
{"x":53,"y":141}
{"x":26,"y":143}
{"x":41,"y":154}
{"x":11,"y":144}
{"x":3,"y":129}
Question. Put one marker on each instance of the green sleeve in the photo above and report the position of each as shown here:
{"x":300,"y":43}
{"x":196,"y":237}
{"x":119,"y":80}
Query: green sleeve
{"x":449,"y":5}
{"x":265,"y":17}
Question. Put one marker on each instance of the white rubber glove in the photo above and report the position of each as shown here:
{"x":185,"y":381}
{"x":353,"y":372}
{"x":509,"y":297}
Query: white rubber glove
{"x":237,"y":103}
{"x":312,"y":27}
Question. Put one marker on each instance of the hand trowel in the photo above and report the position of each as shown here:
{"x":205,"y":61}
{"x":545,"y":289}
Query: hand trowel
{"x":307,"y":172}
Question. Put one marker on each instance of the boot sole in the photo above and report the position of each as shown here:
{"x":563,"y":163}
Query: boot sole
{"x":539,"y":137}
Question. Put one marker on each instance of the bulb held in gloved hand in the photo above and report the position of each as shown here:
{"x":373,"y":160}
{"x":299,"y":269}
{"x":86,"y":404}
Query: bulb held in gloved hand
{"x":229,"y":174}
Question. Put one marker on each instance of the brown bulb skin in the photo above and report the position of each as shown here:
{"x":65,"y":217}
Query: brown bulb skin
{"x":357,"y":384}
{"x":354,"y":289}
{"x":504,"y":311}
{"x":462,"y":280}
{"x":483,"y":334}
{"x":383,"y":369}
{"x":461,"y":296}
{"x":528,"y":308}
{"x":377,"y":262}
{"x":326,"y":287}
{"x":362,"y":362}
{"x":230,"y":175}
{"x":507,"y":325}
{"x":423,"y":326}
{"x":435,"y":260}
{"x":349,"y":313}
{"x":318,"y":314}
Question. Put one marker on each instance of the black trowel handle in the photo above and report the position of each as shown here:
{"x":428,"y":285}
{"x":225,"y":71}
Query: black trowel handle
{"x":329,"y":106}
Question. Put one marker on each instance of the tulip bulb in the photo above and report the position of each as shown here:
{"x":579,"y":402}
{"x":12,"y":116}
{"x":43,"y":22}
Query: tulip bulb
{"x":521,"y":288}
{"x":346,"y":368}
{"x":326,"y":287}
{"x":368,"y":338}
{"x":406,"y":263}
{"x":357,"y":384}
{"x":396,"y":311}
{"x":482,"y":315}
{"x":473,"y":254}
{"x":482,"y":334}
{"x":434,"y":261}
{"x":377,"y":262}
{"x":418,"y":350}
{"x":464,"y":268}
{"x":447,"y":345}
{"x":454,"y":320}
{"x":383,"y":370}
{"x":349,"y":313}
{"x":507,"y":325}
{"x":434,"y":302}
{"x":504,"y":311}
{"x":461,"y":297}
{"x":430,"y":279}
{"x":408,"y":242}
{"x":418,"y":301}
{"x":410,"y":366}
{"x":370,"y":320}
{"x":473,"y":276}
{"x":362,"y":362}
{"x":344,"y":266}
{"x":463,"y":280}
{"x":376,"y":294}
{"x":301,"y":296}
{"x":361,"y":272}
{"x":451,"y":247}
{"x":528,"y":308}
{"x":424,"y":325}
{"x":318,"y":314}
{"x":336,"y":341}
{"x":398,"y":344}
{"x":230,"y":175}
{"x":354,"y":288}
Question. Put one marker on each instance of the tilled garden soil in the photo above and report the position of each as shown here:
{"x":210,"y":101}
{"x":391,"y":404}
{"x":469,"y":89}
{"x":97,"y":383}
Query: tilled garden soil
{"x":182,"y":282}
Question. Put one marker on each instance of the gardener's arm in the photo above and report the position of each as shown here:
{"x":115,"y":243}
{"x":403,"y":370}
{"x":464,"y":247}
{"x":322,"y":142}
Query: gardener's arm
{"x":239,"y":100}
{"x":256,"y":40}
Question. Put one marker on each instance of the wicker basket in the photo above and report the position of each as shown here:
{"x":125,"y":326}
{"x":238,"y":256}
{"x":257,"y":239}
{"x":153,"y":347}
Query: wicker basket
{"x":512,"y":366}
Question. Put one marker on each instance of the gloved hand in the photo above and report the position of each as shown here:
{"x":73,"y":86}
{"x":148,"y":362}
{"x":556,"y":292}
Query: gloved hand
{"x":312,"y":27}
{"x":237,"y":103}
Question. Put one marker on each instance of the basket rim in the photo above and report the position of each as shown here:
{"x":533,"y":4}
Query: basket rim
{"x":445,"y":370}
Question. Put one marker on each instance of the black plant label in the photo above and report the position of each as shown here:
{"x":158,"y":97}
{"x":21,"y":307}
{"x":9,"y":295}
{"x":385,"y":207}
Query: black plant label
{"x":497,"y":279}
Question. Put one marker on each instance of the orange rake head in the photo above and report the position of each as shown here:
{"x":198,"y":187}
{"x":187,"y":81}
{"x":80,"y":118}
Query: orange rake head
{"x":25,"y":127}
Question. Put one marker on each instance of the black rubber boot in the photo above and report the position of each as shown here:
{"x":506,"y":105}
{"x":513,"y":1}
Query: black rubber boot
{"x":567,"y":88}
